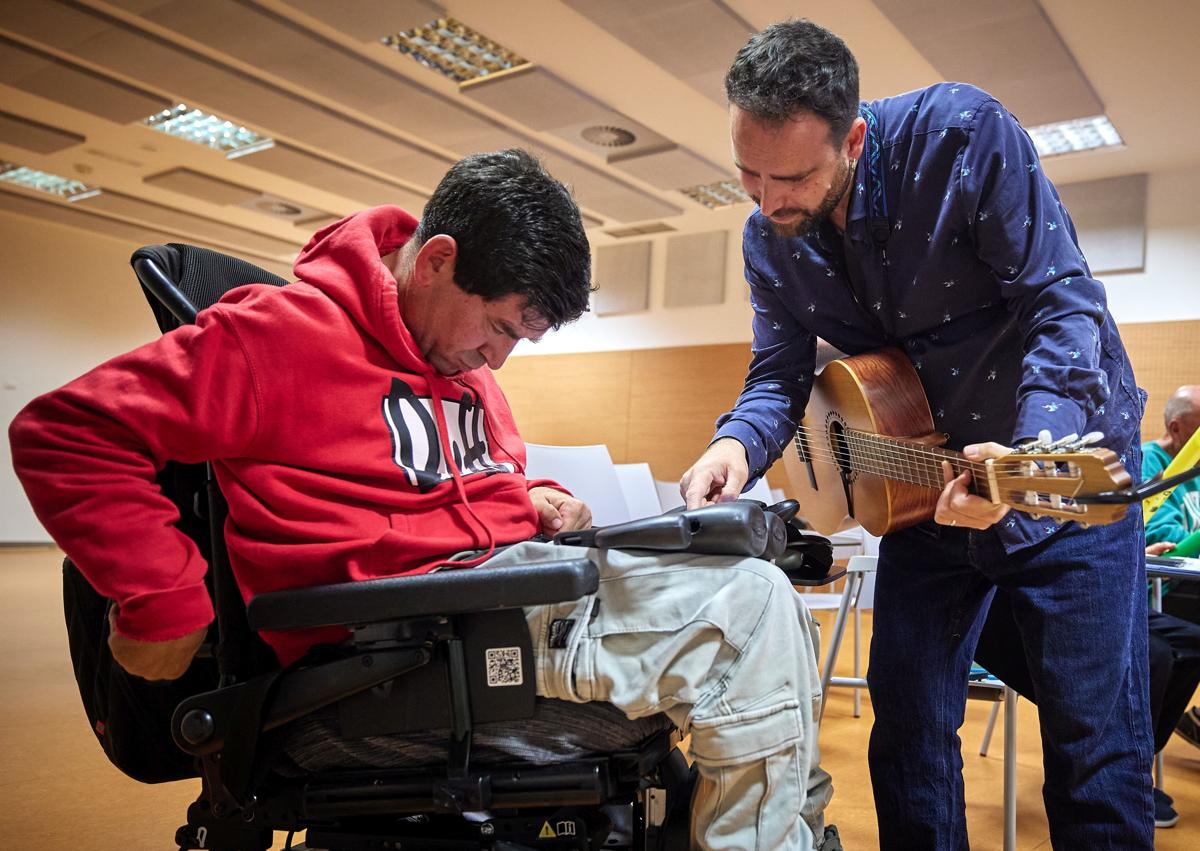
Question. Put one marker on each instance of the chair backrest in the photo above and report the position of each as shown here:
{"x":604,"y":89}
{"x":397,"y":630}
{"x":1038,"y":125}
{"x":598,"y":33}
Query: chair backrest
{"x":637,"y":485}
{"x":761,"y":491}
{"x":668,"y":495}
{"x":180,"y":280}
{"x":586,"y":471}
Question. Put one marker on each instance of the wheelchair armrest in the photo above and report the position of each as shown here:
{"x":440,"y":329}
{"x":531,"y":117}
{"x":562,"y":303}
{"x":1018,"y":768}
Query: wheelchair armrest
{"x":447,"y":592}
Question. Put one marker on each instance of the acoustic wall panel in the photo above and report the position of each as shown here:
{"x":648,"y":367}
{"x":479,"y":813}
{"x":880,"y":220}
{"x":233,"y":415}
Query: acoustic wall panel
{"x":1110,"y":219}
{"x":622,"y":278}
{"x":696,"y":269}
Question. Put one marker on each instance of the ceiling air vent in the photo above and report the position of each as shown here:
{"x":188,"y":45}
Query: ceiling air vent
{"x":607,"y":136}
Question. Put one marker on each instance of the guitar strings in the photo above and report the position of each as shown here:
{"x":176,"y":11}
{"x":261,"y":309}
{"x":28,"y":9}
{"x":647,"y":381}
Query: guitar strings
{"x":893,"y":459}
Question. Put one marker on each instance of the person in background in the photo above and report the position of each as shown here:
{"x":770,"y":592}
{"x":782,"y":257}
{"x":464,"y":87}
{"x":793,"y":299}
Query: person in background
{"x":1179,"y":515}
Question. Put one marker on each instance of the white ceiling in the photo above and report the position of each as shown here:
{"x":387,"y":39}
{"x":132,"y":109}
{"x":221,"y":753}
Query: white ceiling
{"x":358,"y":123}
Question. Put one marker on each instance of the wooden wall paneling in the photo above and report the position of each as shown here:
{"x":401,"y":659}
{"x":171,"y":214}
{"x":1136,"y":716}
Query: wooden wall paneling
{"x":675,"y":398}
{"x":1164,"y":355}
{"x":571,"y":400}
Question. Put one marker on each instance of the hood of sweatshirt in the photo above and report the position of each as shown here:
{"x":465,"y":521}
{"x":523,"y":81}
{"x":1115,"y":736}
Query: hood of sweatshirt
{"x":344,"y":261}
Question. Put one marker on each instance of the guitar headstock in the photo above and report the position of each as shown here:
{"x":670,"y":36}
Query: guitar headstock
{"x":1047,"y":479}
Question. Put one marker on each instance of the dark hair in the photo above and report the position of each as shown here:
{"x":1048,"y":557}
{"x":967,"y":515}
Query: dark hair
{"x":796,"y":66}
{"x":518,"y":231}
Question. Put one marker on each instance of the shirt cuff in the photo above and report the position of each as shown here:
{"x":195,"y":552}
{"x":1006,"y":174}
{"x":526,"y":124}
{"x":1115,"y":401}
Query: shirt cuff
{"x":1056,"y":414}
{"x":165,"y":615}
{"x":756,"y":455}
{"x":530,"y":484}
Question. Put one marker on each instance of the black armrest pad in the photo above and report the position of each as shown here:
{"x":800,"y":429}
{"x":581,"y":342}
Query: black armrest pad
{"x":447,"y":592}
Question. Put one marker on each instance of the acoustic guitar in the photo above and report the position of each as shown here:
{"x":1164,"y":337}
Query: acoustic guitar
{"x":867,"y":448}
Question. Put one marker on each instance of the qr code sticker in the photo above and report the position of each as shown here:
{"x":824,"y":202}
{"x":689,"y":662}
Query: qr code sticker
{"x":504,"y":666}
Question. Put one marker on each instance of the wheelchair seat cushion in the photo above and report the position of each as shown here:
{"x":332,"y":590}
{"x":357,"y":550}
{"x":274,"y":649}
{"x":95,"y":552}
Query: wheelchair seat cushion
{"x":559,"y":731}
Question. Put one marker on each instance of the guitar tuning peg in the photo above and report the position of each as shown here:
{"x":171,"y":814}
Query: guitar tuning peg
{"x":1090,"y":438}
{"x":1062,"y":443}
{"x":1039,"y":444}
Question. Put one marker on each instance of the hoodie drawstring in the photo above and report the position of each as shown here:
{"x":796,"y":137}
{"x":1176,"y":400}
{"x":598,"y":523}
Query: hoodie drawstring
{"x":444,"y":440}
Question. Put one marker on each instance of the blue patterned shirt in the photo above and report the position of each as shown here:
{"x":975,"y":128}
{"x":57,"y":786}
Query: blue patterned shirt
{"x":958,"y":251}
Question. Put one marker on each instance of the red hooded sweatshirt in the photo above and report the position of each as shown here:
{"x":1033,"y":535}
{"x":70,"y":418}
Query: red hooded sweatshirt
{"x":341,"y":453}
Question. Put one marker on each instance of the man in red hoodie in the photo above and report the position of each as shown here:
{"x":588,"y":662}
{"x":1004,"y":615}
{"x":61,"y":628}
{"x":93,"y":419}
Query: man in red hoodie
{"x":357,"y":431}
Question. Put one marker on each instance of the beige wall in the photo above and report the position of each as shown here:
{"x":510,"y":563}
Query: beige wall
{"x":68,"y":300}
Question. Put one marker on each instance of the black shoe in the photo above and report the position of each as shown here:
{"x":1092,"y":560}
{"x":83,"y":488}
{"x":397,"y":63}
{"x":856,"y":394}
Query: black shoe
{"x":832,"y":842}
{"x":1188,"y":726}
{"x":1164,"y":813}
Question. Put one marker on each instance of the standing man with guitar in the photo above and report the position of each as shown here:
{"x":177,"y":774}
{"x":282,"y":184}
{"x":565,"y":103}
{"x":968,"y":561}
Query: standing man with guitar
{"x":924,"y":223}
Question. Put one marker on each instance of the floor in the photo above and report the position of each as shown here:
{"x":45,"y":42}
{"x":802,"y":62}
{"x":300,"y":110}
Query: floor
{"x":57,"y":791}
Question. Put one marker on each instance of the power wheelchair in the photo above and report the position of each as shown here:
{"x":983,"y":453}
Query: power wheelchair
{"x":438,"y":656}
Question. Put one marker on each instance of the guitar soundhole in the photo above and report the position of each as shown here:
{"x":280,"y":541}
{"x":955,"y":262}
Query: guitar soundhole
{"x":840,"y":446}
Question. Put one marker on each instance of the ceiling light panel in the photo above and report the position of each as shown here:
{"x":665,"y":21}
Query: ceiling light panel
{"x":50,"y":184}
{"x":202,"y":128}
{"x":1069,"y":137}
{"x":453,"y":49}
{"x":35,"y":136}
{"x":723,"y":193}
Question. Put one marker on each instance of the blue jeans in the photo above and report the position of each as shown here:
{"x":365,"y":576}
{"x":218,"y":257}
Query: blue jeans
{"x":1079,"y":598}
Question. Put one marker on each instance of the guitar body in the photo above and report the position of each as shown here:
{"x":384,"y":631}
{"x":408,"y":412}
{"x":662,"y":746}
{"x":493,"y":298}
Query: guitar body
{"x":877,"y":392}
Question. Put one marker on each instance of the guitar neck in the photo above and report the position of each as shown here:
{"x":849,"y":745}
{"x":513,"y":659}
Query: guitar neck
{"x":910,"y":461}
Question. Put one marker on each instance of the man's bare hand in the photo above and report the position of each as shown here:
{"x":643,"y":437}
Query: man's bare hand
{"x":153,"y":660}
{"x":718,"y":476}
{"x":959,"y":507}
{"x":1159,"y":548}
{"x":560,"y":512}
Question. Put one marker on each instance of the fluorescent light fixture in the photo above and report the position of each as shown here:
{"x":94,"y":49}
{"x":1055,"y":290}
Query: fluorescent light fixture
{"x":452,"y":48}
{"x":1069,"y":137}
{"x":212,"y":131}
{"x":723,"y":193}
{"x":51,"y":184}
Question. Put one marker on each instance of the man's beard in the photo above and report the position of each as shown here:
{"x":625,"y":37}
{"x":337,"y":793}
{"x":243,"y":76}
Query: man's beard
{"x":810,"y":220}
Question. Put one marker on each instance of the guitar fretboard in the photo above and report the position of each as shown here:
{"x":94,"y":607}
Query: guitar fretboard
{"x":895,"y":458}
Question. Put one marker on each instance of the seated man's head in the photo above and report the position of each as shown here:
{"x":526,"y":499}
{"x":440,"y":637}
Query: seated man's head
{"x":1181,"y":415}
{"x":500,"y":254}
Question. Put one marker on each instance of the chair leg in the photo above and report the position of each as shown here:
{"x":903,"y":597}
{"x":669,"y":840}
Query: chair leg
{"x":839,"y":627}
{"x":857,"y":659}
{"x":987,"y":733}
{"x":1010,"y":769}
